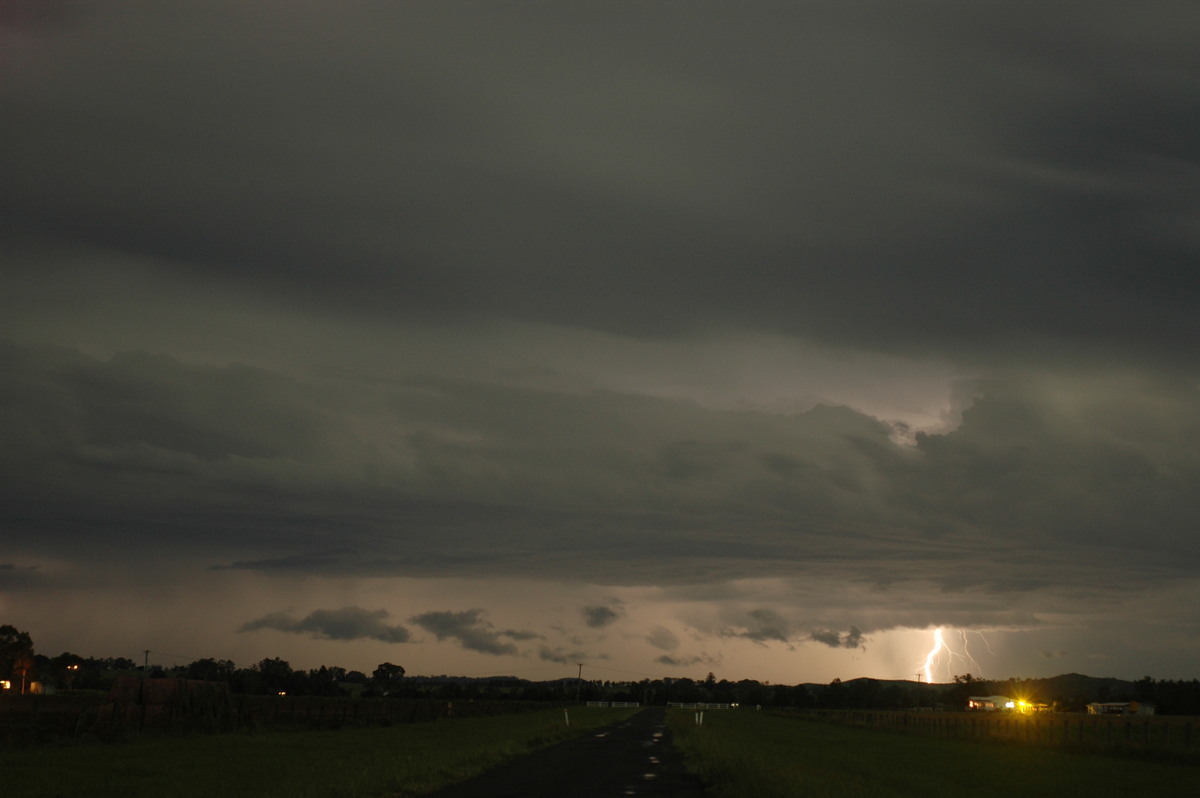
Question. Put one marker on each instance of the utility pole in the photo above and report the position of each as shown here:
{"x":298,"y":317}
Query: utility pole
{"x":579,"y":682}
{"x":146,"y":662}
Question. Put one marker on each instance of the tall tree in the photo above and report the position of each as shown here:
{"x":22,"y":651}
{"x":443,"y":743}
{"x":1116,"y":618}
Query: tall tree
{"x":65,"y":668}
{"x":387,"y":676}
{"x":210,"y":669}
{"x":16,"y":656}
{"x":277,"y":675}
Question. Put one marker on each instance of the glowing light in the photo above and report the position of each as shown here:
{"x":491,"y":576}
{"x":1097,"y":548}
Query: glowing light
{"x":951,"y":652}
{"x":938,"y":644}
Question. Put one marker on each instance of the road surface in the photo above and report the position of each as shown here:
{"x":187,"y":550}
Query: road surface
{"x":631,"y":758}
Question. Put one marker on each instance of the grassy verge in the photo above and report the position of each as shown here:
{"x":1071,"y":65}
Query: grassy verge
{"x":350,"y":763}
{"x":745,"y":753}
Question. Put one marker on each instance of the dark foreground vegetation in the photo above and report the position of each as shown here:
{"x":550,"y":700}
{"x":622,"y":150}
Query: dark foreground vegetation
{"x":1168,"y":738}
{"x":737,"y":752}
{"x":148,"y":708}
{"x":369,"y":762}
{"x":744,"y":754}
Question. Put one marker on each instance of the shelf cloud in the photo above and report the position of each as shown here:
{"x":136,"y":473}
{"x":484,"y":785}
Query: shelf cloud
{"x":766,"y":348}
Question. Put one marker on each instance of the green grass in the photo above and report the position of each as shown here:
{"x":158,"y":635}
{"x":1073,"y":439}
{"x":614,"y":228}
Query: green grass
{"x":350,"y":763}
{"x":743,"y":753}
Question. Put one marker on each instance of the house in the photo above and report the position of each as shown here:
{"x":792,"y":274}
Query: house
{"x":990,"y":703}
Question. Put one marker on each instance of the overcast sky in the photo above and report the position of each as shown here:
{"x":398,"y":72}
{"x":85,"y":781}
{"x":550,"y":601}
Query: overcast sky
{"x":663,"y":337}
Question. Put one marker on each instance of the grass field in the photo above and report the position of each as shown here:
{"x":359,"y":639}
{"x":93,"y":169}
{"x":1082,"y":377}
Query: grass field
{"x":350,"y":763}
{"x":743,"y":753}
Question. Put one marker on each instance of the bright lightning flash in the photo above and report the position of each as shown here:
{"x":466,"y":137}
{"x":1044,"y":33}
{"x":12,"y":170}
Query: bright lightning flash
{"x":938,"y":645}
{"x":934,"y":658}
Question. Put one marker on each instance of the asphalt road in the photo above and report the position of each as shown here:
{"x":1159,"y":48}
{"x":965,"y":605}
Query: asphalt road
{"x":631,"y":758}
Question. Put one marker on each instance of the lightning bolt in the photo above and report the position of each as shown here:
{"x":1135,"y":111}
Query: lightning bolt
{"x":952,"y":658}
{"x":966,"y":657}
{"x":938,"y":645}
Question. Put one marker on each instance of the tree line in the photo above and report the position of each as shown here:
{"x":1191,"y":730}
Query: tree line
{"x":21,"y":666}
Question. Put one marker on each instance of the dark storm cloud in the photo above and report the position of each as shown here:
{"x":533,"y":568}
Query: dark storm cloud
{"x":832,"y":639}
{"x":310,"y":276}
{"x":520,"y":634}
{"x":565,"y":656}
{"x":492,"y":479}
{"x":599,"y":616}
{"x":470,"y":629}
{"x":851,"y":639}
{"x":761,"y":625}
{"x":347,"y":623}
{"x":959,"y":180}
{"x":662,"y":638}
{"x":683,"y":662}
{"x":1083,"y":461}
{"x":143,"y":412}
{"x":309,"y":562}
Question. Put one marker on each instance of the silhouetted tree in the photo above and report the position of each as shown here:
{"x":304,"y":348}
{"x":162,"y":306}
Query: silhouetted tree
{"x":66,"y":669}
{"x":832,"y":697}
{"x":321,"y":681}
{"x":213,"y":670}
{"x":964,"y":687}
{"x":277,"y":675}
{"x":16,"y":657}
{"x":387,"y":677}
{"x":684,"y":690}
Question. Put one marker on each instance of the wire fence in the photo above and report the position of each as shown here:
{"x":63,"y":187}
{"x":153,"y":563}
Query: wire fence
{"x":35,"y":719}
{"x":1154,"y":733}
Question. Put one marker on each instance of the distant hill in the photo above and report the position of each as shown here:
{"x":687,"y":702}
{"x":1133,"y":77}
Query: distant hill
{"x":1108,"y":688}
{"x":1063,"y":683}
{"x":1071,"y":691}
